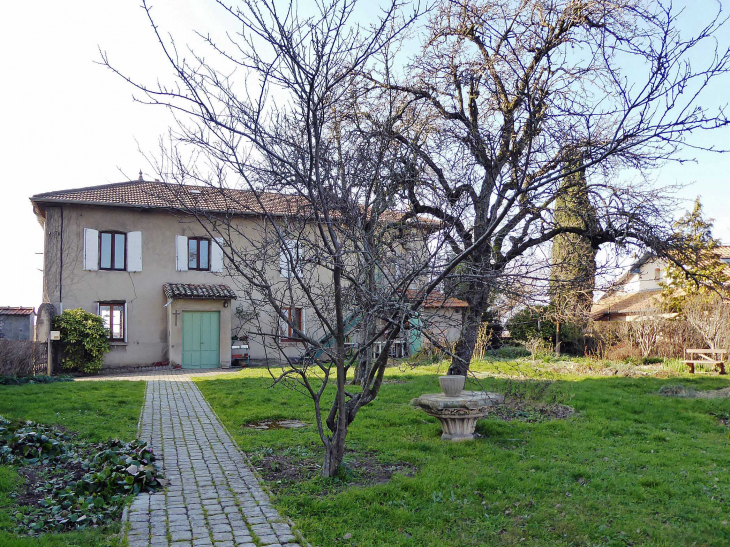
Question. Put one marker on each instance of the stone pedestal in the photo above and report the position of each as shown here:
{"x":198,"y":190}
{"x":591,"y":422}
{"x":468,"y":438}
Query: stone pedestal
{"x":458,"y":415}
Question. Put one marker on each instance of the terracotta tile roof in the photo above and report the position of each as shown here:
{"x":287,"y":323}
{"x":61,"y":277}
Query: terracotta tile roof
{"x":621,"y":303}
{"x":439,"y":300}
{"x":161,"y":195}
{"x":189,"y":290}
{"x":147,"y":194}
{"x":9,"y":310}
{"x":723,"y":251}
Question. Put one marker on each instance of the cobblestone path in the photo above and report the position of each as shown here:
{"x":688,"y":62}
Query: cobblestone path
{"x":213,"y":497}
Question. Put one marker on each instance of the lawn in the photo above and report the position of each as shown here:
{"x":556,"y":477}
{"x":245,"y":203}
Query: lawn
{"x":630,"y":467}
{"x":97,"y":411}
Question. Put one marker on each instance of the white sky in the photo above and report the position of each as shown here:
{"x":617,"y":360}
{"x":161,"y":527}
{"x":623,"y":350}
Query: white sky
{"x":68,"y":122}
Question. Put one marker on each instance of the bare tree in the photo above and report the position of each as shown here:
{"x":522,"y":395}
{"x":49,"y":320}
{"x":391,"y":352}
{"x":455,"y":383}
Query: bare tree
{"x":645,"y":331}
{"x":333,"y":273}
{"x":709,"y":314}
{"x":503,"y":97}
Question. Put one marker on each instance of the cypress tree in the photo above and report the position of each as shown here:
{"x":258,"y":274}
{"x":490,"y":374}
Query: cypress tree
{"x":573,"y":259}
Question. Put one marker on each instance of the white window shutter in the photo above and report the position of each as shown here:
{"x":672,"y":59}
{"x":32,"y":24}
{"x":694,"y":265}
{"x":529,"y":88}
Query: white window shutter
{"x":91,"y":249}
{"x":134,"y":252}
{"x":304,"y":321}
{"x":125,"y":322}
{"x":216,"y":255}
{"x":284,"y":260}
{"x":181,"y":253}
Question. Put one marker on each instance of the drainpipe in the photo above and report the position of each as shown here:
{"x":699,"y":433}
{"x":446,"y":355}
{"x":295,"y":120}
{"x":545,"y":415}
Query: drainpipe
{"x":60,"y":268}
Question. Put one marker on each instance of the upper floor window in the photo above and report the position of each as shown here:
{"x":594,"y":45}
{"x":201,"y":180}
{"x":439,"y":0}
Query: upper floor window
{"x":290,"y":258}
{"x":657,"y":274}
{"x":112,"y":313}
{"x":198,"y":253}
{"x":112,"y":251}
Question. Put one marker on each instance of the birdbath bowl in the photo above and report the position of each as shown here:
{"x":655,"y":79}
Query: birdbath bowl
{"x":458,"y":415}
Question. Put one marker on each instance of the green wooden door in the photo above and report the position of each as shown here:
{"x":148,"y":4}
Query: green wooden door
{"x":201,"y":339}
{"x":416,"y":337}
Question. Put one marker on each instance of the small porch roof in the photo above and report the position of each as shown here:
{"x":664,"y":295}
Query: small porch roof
{"x":190,"y":290}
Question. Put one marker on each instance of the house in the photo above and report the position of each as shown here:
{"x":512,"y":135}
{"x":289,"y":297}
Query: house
{"x":17,"y":323}
{"x":155,"y":275}
{"x":637,"y":292}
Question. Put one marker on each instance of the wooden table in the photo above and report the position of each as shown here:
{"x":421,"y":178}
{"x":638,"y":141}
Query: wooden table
{"x":715,"y":357}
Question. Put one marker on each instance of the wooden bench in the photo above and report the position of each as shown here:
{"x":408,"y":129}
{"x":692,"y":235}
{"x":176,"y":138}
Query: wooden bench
{"x":714,"y":357}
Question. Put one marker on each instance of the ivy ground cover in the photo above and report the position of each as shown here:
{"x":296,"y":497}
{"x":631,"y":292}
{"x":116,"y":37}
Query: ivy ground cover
{"x":95,"y":412}
{"x":628,"y":467}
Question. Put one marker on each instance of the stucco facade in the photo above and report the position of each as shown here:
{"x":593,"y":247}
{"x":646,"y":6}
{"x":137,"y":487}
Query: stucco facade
{"x":151,"y":333}
{"x":153,"y":326}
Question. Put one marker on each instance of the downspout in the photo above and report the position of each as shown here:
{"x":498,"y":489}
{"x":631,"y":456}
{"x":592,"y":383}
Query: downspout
{"x":60,"y":269}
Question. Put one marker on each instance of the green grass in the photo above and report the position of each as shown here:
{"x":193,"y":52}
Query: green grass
{"x":629,"y":468}
{"x":98,"y":411}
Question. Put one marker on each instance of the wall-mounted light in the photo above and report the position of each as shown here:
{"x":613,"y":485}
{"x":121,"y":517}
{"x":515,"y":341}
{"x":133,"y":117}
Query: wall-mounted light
{"x":225,"y":303}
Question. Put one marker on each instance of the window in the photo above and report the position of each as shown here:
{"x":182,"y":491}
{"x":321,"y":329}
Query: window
{"x":198,"y":253}
{"x":657,"y":274}
{"x":112,"y":313}
{"x":113,"y":251}
{"x":295,"y":317}
{"x":288,"y":256}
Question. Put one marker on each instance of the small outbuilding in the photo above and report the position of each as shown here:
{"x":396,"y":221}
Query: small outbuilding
{"x":17,"y":323}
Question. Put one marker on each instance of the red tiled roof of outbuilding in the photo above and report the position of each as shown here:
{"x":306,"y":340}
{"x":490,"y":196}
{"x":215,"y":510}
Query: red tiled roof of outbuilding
{"x":10,"y":310}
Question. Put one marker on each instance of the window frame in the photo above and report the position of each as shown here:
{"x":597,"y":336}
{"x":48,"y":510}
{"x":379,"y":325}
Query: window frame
{"x":197,"y":247}
{"x":291,"y":335}
{"x":293,"y":248}
{"x":113,"y":233}
{"x":111,"y":305}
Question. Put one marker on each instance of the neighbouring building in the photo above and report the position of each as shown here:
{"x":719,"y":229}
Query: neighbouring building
{"x":637,"y":292}
{"x":17,"y":323}
{"x":156,"y":277}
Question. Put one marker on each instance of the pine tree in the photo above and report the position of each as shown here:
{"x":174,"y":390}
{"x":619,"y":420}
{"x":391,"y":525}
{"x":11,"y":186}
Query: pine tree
{"x":697,"y":270}
{"x":573,"y":259}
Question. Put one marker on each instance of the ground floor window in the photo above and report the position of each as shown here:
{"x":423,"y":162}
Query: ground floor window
{"x":295,"y":316}
{"x":113,"y":315}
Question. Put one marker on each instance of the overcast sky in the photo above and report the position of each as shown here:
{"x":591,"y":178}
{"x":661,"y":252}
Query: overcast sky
{"x":69,"y":123}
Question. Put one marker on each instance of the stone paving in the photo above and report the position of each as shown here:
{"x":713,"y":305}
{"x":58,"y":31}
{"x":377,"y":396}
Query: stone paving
{"x":213,"y":497}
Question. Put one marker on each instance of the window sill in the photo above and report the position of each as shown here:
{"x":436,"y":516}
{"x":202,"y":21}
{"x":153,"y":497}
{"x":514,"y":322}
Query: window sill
{"x":292,"y":341}
{"x":117,"y":343}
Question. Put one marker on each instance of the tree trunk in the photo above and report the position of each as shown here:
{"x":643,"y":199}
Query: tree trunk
{"x":467,"y":340}
{"x":558,"y":340}
{"x":333,"y":453}
{"x":362,"y":367}
{"x":337,"y":420}
{"x":365,"y":361}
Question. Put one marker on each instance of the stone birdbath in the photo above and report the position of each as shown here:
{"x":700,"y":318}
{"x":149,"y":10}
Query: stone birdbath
{"x":457,"y":410}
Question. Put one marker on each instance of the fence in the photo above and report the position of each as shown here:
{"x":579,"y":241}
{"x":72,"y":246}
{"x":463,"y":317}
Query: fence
{"x":23,"y":358}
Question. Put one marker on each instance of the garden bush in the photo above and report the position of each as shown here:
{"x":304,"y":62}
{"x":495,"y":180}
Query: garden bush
{"x":21,"y":357}
{"x":529,"y":323}
{"x":109,"y":472}
{"x":84,"y":340}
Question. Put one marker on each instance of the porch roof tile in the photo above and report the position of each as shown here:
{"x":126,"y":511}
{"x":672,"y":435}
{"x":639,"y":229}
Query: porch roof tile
{"x":190,"y":290}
